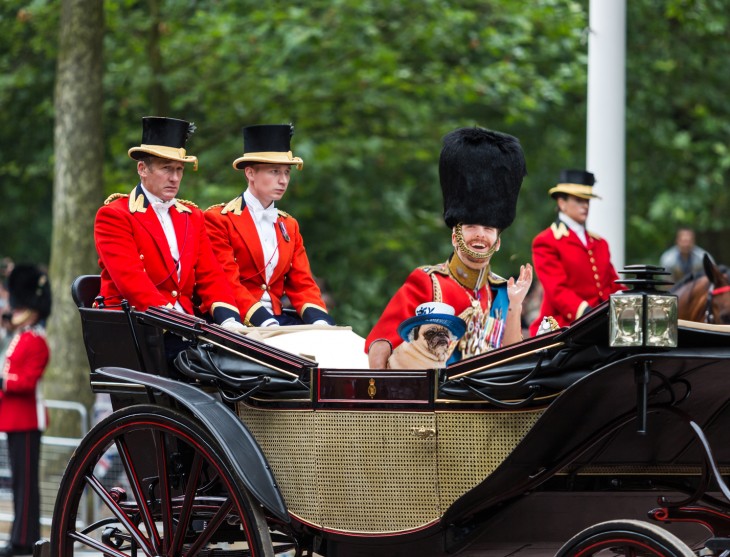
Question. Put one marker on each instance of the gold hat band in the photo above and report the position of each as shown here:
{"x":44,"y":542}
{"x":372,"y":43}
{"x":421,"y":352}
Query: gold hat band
{"x":165,"y":152}
{"x":577,"y":190}
{"x":270,"y":157}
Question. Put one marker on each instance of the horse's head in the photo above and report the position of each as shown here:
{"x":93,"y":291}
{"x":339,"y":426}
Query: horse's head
{"x":705,"y":298}
{"x":717,"y":308}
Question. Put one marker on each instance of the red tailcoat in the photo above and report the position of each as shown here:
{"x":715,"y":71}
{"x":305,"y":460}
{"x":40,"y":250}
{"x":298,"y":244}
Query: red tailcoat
{"x":136,"y":263}
{"x":574,"y":277}
{"x":236,"y":242}
{"x":21,"y":406}
{"x":418,"y":289}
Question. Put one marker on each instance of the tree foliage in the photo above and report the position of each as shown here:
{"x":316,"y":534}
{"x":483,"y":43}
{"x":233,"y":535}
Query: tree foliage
{"x":371,"y":88}
{"x":678,"y":123}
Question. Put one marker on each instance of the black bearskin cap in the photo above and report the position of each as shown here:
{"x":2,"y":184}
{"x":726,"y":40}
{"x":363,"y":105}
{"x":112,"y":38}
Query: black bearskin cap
{"x":481,"y":172}
{"x":28,"y":288}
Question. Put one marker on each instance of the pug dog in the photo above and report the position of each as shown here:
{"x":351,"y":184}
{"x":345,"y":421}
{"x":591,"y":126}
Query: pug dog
{"x":430,"y":338}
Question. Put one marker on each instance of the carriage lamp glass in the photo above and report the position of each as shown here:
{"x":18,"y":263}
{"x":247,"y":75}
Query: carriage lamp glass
{"x":627,"y":313}
{"x":643,"y":316}
{"x":661,"y":321}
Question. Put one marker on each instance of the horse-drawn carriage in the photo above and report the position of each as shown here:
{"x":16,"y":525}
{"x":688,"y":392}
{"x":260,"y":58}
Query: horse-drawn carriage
{"x":243,"y":448}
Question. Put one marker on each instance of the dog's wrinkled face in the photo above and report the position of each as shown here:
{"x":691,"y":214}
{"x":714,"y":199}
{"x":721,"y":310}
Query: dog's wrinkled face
{"x":436,"y":339}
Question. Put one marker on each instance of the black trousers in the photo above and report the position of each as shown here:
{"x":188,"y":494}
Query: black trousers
{"x":24,"y":448}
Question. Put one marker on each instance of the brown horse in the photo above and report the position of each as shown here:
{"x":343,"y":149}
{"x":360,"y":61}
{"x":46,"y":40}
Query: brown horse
{"x":705,"y":298}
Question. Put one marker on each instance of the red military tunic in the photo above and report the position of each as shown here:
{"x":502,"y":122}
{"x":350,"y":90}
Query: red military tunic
{"x":136,"y":263}
{"x":574,"y":277}
{"x":21,"y":405}
{"x":419,"y":288}
{"x":237,"y":245}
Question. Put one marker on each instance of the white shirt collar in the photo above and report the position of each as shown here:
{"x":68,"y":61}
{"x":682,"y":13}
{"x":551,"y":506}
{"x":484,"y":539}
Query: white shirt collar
{"x":579,"y":229}
{"x":259,"y":213}
{"x":157,"y":203}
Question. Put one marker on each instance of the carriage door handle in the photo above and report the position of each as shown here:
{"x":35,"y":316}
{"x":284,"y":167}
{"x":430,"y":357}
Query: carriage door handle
{"x":423,"y":432}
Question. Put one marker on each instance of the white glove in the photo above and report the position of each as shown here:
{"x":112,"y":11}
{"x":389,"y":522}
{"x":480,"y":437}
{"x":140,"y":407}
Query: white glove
{"x":234,"y":326}
{"x":271,"y":322}
{"x":322,"y":322}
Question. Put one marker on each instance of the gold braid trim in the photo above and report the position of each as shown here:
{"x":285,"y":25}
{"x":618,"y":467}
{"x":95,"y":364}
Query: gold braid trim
{"x":216,"y":205}
{"x":470,"y":252}
{"x":186,"y":202}
{"x":114,"y":196}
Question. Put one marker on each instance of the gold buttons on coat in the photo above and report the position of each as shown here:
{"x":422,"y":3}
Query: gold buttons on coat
{"x":141,"y":256}
{"x":264,"y":287}
{"x":174,"y":293}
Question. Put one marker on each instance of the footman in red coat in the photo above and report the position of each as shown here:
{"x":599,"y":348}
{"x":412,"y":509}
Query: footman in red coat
{"x":153,"y":248}
{"x":573,"y":264}
{"x":261,"y":247}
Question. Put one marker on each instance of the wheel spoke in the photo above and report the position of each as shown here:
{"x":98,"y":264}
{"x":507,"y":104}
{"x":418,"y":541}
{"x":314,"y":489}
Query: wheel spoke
{"x":138,"y":491}
{"x":119,"y":513}
{"x":163,"y":475}
{"x":186,"y":510}
{"x":214,"y":523}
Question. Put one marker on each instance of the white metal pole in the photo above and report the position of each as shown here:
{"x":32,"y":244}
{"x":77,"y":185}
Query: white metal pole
{"x":606,"y":128}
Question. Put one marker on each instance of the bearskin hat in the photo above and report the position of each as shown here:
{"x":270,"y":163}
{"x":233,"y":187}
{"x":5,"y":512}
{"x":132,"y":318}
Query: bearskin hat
{"x":481,"y":172}
{"x":28,"y":288}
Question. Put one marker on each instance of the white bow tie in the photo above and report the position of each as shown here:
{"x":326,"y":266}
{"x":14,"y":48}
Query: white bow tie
{"x":269,"y":216}
{"x":162,"y":206}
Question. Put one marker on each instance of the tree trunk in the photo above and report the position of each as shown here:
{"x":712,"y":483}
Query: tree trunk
{"x":77,"y":193}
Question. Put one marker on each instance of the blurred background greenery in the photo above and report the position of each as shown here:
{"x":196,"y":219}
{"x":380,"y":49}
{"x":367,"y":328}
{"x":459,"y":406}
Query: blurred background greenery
{"x":371,"y":88}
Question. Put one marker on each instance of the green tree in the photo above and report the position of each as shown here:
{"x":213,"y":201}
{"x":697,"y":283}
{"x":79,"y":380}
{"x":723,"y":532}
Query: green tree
{"x":77,"y":185}
{"x":678,"y":122}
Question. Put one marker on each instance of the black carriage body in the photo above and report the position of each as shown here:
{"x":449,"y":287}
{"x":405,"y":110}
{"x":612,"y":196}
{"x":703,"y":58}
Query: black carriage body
{"x":349,"y":462}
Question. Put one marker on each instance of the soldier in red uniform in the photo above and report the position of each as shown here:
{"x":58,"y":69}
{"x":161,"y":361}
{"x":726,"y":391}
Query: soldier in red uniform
{"x":480,"y":172}
{"x":573,"y":265}
{"x":153,"y":248}
{"x":260,"y":247}
{"x":23,"y":414}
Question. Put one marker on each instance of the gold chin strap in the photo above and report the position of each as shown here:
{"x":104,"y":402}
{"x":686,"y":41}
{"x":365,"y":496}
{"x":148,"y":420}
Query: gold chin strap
{"x":470,"y":252}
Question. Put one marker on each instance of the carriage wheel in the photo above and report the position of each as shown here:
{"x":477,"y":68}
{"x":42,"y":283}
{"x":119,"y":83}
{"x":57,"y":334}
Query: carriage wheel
{"x":153,"y":482}
{"x":630,"y":538}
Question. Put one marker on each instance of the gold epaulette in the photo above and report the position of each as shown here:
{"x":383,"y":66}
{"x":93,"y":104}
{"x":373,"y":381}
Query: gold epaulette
{"x":283,"y":214}
{"x":559,"y":230}
{"x":594,"y":235}
{"x":114,"y":196}
{"x":440,"y":268}
{"x":216,"y":205}
{"x":188,"y":203}
{"x":494,"y":278}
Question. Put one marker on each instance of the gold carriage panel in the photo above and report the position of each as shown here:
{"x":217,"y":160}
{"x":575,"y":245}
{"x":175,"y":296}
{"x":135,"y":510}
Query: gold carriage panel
{"x":381,"y":472}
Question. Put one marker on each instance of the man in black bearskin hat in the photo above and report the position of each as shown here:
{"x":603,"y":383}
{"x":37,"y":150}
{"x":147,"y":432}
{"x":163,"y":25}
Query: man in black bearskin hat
{"x":153,"y":248}
{"x":23,"y":415}
{"x":481,"y":172}
{"x":573,"y":264}
{"x":261,"y":247}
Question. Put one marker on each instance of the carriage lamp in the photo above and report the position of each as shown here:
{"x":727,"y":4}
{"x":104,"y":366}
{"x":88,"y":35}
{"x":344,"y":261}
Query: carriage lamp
{"x":642,"y":315}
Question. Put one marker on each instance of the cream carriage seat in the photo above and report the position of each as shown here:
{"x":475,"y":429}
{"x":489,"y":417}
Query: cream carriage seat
{"x":330,"y":347}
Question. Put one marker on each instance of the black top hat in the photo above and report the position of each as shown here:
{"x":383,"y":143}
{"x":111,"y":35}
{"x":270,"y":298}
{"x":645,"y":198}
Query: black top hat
{"x":28,"y":288}
{"x":165,"y":138}
{"x":578,"y":183}
{"x":481,"y":172}
{"x":269,"y":143}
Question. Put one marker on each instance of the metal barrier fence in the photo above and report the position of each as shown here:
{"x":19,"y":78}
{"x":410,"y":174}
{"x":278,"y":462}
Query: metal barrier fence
{"x":55,"y":453}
